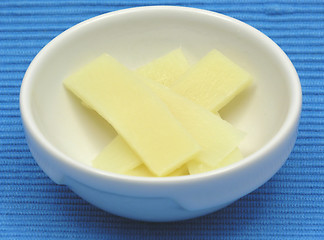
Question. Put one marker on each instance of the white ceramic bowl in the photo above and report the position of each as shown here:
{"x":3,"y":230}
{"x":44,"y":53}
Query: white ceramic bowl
{"x":63,"y":136}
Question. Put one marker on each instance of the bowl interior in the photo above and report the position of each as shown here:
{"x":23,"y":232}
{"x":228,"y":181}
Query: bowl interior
{"x":136,"y":37}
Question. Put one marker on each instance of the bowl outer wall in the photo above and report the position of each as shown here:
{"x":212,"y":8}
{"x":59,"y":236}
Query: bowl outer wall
{"x":196,"y":192}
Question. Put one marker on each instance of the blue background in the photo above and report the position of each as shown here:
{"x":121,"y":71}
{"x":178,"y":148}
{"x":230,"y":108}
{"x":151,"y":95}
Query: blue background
{"x":289,"y":206}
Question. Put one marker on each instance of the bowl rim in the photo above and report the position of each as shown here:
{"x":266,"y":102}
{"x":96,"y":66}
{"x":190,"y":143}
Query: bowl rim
{"x":290,"y":122}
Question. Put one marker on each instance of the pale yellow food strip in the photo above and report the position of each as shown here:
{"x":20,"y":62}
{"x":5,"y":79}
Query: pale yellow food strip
{"x":137,"y":114}
{"x":196,"y":166}
{"x":216,"y":136}
{"x":166,"y":69}
{"x":213,"y":81}
{"x":117,"y":158}
{"x":140,"y":171}
{"x":143,"y":171}
{"x":181,"y":171}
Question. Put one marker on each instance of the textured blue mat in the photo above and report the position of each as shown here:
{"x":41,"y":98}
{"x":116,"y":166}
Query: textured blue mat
{"x":289,"y":206}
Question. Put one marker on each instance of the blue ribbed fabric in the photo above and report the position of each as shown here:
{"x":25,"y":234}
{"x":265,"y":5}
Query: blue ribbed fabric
{"x":289,"y":206}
